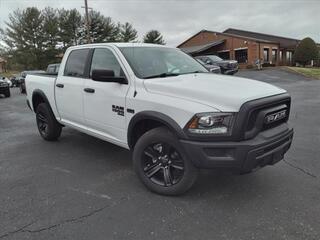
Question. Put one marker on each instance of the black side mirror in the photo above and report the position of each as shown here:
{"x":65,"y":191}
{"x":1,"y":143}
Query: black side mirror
{"x":102,"y":75}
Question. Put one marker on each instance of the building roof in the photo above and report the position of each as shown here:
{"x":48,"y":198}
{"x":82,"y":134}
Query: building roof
{"x":201,"y":48}
{"x":227,"y":34}
{"x":283,"y":41}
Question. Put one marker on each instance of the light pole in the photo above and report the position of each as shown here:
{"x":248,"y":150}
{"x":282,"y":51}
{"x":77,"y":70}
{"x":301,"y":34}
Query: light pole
{"x":87,"y":21}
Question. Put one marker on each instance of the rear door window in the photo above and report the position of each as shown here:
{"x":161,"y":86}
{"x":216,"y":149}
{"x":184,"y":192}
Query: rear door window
{"x":76,"y":63}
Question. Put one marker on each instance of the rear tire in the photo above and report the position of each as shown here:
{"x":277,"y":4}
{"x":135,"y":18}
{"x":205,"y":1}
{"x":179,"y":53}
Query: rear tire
{"x":161,"y":163}
{"x":48,"y":126}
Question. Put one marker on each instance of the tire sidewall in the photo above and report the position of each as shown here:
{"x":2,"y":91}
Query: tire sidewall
{"x":54,"y":129}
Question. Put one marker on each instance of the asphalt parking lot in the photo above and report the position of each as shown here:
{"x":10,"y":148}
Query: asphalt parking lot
{"x":83,"y":188}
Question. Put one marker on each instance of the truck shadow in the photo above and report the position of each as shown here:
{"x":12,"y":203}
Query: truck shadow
{"x":97,"y":153}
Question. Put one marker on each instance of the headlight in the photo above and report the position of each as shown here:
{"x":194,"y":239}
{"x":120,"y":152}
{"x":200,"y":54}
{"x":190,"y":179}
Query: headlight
{"x":211,"y":123}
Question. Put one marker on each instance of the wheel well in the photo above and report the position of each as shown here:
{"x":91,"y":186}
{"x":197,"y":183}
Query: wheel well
{"x":141,"y":128}
{"x":36,"y":100}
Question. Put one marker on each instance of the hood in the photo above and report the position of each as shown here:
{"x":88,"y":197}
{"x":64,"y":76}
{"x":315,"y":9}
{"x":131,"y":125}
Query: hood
{"x":224,"y":93}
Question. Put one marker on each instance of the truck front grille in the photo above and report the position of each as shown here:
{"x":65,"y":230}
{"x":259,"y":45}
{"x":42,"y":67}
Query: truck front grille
{"x":267,"y":116}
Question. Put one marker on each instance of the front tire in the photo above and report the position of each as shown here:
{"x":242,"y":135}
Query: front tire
{"x":161,"y":163}
{"x":48,"y":126}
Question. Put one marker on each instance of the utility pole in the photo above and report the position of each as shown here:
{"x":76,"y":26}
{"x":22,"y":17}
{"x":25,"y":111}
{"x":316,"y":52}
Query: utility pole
{"x":87,"y":21}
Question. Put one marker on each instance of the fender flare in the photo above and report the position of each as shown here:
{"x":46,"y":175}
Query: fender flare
{"x":156,"y":116}
{"x":43,"y":96}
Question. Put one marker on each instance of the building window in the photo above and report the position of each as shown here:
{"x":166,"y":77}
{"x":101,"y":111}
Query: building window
{"x":280,"y":55}
{"x":274,"y":55}
{"x":289,"y":56}
{"x":224,"y":55}
{"x":241,"y":55}
{"x":266,"y":54}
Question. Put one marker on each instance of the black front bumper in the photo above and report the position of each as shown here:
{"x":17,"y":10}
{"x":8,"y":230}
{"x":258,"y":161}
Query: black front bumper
{"x":228,"y":71}
{"x":4,"y":90}
{"x":267,"y":148}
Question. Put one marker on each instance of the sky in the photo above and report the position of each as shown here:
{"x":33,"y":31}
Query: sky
{"x":178,"y":20}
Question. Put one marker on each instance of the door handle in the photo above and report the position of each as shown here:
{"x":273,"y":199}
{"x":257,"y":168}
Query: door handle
{"x":59,"y":85}
{"x":89,"y":90}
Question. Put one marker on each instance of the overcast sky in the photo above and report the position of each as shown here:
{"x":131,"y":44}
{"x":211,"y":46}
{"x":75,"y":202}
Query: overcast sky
{"x":178,"y":20}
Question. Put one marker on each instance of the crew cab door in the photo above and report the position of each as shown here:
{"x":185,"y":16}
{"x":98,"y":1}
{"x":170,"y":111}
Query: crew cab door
{"x":69,"y":87}
{"x":104,"y":102}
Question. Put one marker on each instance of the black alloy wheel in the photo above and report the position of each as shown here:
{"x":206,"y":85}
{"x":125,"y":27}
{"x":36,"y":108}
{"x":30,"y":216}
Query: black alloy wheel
{"x":162,"y":164}
{"x":42,"y":124}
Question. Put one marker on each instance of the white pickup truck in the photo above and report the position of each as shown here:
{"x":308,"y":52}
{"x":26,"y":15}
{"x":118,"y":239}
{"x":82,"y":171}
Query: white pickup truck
{"x":173,"y":114}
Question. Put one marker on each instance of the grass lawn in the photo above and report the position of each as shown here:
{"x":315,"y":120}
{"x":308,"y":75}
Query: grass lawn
{"x":9,"y":74}
{"x":309,"y":72}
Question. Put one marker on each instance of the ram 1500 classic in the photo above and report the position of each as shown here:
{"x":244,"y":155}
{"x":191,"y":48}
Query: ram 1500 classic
{"x":164,"y":106}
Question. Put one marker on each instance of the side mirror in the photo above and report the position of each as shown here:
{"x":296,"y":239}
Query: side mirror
{"x":102,"y":75}
{"x":208,"y":62}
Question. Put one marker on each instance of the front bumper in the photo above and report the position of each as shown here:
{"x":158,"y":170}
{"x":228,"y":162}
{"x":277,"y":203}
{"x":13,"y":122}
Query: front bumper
{"x":267,"y":148}
{"x":230,"y":71}
{"x":4,"y":89}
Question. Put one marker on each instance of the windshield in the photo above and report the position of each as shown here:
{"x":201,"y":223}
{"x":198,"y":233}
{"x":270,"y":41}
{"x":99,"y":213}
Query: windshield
{"x":215,"y":58}
{"x":151,"y":62}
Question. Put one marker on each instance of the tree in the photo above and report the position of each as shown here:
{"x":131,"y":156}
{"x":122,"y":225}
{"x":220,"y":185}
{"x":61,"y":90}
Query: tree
{"x":102,"y":29}
{"x":69,"y":27}
{"x":50,"y":34}
{"x":127,"y":33}
{"x":306,"y":51}
{"x":25,"y":35}
{"x":154,"y":36}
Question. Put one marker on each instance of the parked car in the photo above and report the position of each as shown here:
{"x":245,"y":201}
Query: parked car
{"x":209,"y":67}
{"x":6,"y":80}
{"x":164,"y":106}
{"x":15,"y":80}
{"x":23,"y":76}
{"x":53,"y":68}
{"x":4,"y":87}
{"x":229,"y":67}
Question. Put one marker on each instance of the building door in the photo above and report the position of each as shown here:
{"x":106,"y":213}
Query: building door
{"x":289,"y":57}
{"x":274,"y":56}
{"x":266,"y":55}
{"x":280,"y":56}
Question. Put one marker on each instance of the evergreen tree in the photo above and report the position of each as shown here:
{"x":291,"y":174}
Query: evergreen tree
{"x":24,"y":34}
{"x":154,"y":36}
{"x":127,"y":33}
{"x":102,"y":29}
{"x":70,"y":26}
{"x":50,"y":34}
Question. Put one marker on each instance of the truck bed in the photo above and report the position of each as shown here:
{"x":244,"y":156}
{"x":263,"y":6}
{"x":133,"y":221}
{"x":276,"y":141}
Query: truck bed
{"x":42,"y":82}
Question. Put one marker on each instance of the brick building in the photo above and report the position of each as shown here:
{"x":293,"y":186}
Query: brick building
{"x":244,"y":46}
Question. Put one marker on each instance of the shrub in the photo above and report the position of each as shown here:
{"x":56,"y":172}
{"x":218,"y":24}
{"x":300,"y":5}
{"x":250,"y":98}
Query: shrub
{"x":306,"y":51}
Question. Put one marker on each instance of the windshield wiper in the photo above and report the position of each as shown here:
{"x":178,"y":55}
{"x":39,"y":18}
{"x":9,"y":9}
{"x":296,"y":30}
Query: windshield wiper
{"x":162,"y":75}
{"x":194,"y":72}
